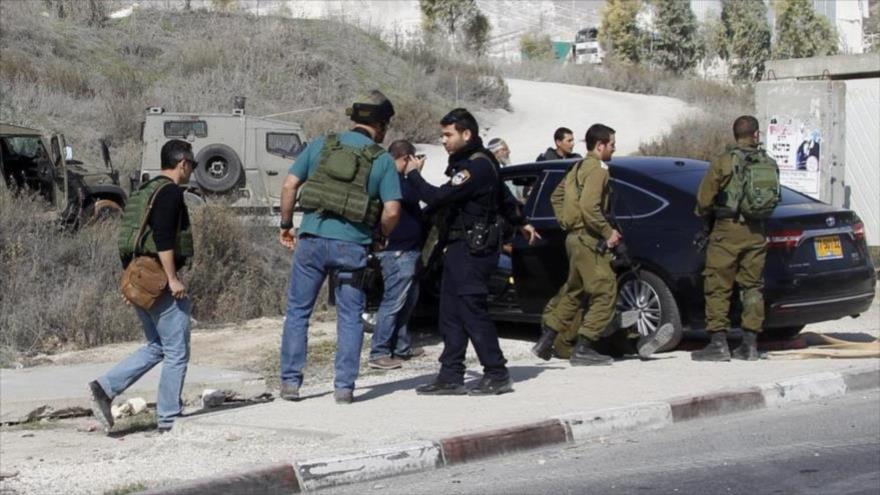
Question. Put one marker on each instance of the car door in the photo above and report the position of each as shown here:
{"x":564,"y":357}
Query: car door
{"x":540,"y":269}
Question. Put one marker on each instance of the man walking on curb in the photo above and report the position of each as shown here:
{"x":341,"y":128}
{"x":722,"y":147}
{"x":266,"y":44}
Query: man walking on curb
{"x":473,"y":198}
{"x":348,"y":183}
{"x":740,"y":189}
{"x":400,"y":260}
{"x":166,"y":235}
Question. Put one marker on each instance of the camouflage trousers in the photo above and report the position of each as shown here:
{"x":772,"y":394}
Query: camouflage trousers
{"x":589,"y":274}
{"x":735,"y":255}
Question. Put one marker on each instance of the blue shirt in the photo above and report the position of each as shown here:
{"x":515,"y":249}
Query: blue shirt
{"x":383,"y":183}
{"x":409,"y":234}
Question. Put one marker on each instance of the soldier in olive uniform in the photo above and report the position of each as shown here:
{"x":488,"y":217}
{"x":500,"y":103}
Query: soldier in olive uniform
{"x":735,"y":254}
{"x":590,"y":268}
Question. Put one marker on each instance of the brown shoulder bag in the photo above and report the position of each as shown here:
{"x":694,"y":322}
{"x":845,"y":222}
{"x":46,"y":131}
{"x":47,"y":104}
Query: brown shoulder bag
{"x":144,"y":279}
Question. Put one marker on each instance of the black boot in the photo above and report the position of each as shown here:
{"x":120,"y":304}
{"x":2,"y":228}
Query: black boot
{"x":584,"y":354}
{"x":717,"y":349}
{"x":544,"y":347}
{"x":748,"y":349}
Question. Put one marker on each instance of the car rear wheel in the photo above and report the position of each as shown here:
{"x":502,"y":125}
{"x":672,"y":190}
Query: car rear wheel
{"x":649,"y":295}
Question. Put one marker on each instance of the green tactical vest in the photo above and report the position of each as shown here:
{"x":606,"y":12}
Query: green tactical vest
{"x":136,"y":236}
{"x":338,"y":186}
{"x":753,"y":189}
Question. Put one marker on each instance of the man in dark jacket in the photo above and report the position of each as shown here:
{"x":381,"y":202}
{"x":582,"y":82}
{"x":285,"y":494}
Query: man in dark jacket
{"x":474,"y":198}
{"x":564,"y":140}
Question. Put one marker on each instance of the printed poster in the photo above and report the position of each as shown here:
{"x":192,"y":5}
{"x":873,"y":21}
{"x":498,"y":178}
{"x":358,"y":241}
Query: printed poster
{"x":796,"y":148}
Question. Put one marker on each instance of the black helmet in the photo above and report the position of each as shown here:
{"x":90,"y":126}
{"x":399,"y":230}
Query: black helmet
{"x":378,"y":110}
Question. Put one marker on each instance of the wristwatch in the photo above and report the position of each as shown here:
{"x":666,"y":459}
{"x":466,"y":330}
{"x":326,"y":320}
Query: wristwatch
{"x":287,"y":225}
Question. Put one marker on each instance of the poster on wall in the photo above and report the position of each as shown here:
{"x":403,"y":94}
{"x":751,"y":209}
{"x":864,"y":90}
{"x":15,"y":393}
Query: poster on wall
{"x":795,"y":145}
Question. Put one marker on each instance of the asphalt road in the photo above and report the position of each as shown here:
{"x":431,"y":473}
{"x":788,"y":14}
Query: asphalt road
{"x":828,"y":447}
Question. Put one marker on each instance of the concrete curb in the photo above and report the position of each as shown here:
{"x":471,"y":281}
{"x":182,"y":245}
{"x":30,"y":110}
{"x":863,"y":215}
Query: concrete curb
{"x":577,"y":427}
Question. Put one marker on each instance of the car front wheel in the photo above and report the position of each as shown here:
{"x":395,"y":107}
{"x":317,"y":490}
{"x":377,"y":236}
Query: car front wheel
{"x":648,"y":294}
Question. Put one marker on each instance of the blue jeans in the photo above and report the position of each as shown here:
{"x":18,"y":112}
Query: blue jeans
{"x":166,"y":328}
{"x":313,"y":258}
{"x":390,"y":337}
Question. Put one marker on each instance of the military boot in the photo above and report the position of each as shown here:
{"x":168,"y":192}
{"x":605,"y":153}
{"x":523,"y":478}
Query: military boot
{"x":584,"y":354}
{"x":748,"y":349}
{"x":717,"y":349}
{"x":544,"y":347}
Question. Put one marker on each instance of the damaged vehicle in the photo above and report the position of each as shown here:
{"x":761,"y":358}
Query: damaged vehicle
{"x":30,"y":161}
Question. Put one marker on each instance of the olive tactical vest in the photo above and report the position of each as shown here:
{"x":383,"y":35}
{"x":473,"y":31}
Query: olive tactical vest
{"x":136,"y":236}
{"x":753,"y":189}
{"x":338,"y":186}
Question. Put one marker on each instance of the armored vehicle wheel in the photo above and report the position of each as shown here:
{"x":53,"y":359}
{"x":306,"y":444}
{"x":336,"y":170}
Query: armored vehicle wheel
{"x":102,"y":209}
{"x":650,"y":296}
{"x":219,"y":168}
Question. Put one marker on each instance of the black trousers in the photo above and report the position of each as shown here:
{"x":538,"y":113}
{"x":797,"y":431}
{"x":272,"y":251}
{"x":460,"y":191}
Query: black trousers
{"x":464,"y":315}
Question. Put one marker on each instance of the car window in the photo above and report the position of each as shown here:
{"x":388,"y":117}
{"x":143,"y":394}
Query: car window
{"x":25,"y":146}
{"x":183,"y":128}
{"x":543,"y":208}
{"x":630,"y":201}
{"x":283,"y":144}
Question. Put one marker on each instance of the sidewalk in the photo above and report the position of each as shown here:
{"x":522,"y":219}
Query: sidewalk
{"x":24,"y":390}
{"x":318,"y":434}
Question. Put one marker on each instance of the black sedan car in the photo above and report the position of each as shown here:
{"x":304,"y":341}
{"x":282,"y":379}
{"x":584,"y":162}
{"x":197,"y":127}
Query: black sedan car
{"x":817,"y":268}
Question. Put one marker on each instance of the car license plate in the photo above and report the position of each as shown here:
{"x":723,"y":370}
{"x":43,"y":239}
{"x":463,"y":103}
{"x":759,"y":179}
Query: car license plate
{"x":828,"y":248}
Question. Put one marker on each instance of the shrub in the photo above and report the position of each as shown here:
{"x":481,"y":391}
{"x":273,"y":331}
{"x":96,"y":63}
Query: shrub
{"x":59,"y":289}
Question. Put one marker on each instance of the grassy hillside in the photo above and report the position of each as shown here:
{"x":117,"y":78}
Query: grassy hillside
{"x":96,"y":81}
{"x":58,"y":289}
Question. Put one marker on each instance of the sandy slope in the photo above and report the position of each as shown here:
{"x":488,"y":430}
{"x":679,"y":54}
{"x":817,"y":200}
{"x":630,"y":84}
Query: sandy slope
{"x":540,"y":107}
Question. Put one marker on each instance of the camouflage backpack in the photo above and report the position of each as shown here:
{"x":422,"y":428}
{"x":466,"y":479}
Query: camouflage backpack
{"x":565,"y":198}
{"x":338,"y":186}
{"x":753,"y":190}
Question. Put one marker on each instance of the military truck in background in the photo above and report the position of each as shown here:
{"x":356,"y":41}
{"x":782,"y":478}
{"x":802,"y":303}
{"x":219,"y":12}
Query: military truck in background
{"x":242,"y":160}
{"x":586,"y":48}
{"x":31,"y":161}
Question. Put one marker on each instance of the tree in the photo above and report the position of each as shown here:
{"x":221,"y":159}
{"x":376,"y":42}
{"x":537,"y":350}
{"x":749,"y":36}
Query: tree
{"x":90,"y":12}
{"x":676,"y":44}
{"x":744,"y":38}
{"x":800,"y":33}
{"x":457,"y":19}
{"x":476,"y":34}
{"x":536,"y":46}
{"x":619,"y":32}
{"x":872,"y":29}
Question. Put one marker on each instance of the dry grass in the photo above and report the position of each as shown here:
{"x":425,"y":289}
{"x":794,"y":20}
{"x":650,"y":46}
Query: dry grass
{"x":59,"y":289}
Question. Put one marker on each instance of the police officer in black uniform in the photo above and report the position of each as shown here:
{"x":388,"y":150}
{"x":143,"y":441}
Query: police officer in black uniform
{"x":471,"y":202}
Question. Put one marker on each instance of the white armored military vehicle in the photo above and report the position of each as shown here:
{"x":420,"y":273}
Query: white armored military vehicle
{"x":242,"y":159}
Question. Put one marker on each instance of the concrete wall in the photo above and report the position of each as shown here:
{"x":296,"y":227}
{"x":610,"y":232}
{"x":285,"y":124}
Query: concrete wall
{"x":862,"y":178}
{"x":836,"y":127}
{"x":803,"y":123}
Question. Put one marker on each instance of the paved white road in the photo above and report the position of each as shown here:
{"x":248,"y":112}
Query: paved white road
{"x":539,"y":108}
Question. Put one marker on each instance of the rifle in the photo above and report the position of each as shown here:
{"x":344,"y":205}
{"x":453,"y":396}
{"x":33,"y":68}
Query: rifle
{"x":701,"y":238}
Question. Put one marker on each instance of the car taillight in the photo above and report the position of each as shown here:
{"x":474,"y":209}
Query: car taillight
{"x":859,"y":231}
{"x":787,"y":239}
